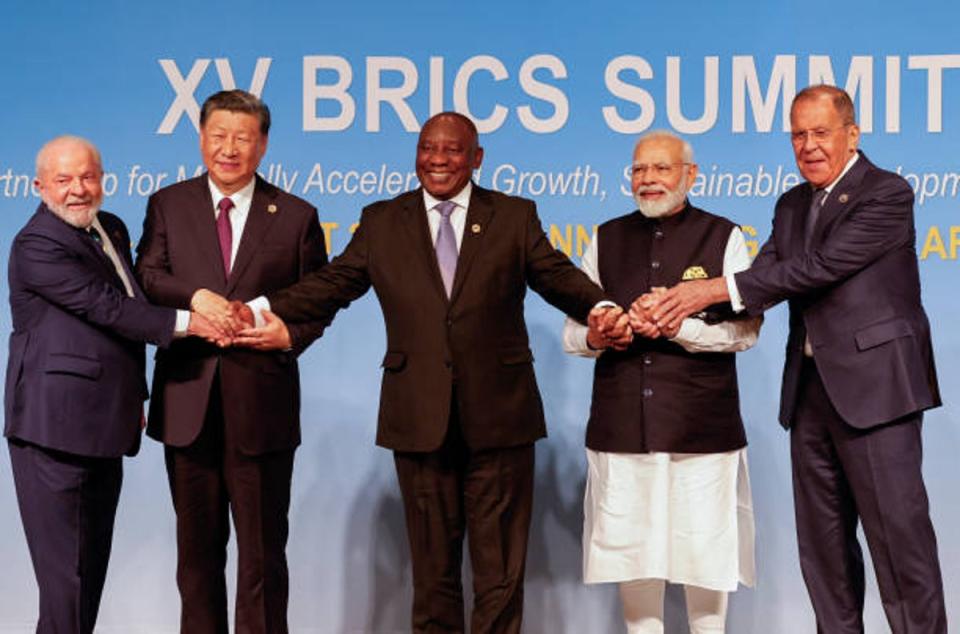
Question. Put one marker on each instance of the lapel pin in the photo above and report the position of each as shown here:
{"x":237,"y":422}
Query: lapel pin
{"x":843,"y":198}
{"x":271,"y":208}
{"x":475,"y":228}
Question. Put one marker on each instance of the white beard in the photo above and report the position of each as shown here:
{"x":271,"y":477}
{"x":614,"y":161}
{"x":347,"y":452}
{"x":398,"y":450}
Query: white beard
{"x":78,"y":218}
{"x":666,"y":205}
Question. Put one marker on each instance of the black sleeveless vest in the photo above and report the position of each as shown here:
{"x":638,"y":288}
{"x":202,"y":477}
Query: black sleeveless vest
{"x":656,"y":396}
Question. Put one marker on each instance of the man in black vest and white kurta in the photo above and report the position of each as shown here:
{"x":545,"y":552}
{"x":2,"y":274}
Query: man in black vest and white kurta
{"x":668,"y":497}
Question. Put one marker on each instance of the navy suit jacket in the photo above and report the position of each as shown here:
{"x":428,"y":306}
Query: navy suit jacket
{"x":75,"y":371}
{"x":855,"y":292}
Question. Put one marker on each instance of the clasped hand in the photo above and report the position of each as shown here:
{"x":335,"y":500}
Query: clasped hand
{"x":231,"y":323}
{"x":651,"y":315}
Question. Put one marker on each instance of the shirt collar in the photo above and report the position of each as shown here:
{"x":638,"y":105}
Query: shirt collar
{"x":462,"y":199}
{"x":241,"y":198}
{"x":853,"y":159}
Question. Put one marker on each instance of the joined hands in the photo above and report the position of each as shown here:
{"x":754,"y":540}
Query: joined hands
{"x":232,"y":323}
{"x":658,"y":313}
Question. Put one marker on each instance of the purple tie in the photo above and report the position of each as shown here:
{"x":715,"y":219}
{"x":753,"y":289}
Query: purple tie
{"x":446,"y":245}
{"x":225,"y":233}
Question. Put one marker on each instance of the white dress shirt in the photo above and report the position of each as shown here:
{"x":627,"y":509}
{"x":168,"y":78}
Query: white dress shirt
{"x":238,"y":215}
{"x":458,"y":218}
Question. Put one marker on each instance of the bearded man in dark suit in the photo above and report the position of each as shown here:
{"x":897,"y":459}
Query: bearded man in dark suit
{"x":75,"y":379}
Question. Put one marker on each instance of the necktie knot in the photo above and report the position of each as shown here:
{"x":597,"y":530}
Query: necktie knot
{"x":446,"y":208}
{"x":225,"y":205}
{"x":95,"y":235}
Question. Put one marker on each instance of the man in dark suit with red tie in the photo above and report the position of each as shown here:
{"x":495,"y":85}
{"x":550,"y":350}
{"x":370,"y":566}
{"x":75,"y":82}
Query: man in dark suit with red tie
{"x":75,"y":379}
{"x":859,"y":370}
{"x":450,"y":264}
{"x":229,"y":417}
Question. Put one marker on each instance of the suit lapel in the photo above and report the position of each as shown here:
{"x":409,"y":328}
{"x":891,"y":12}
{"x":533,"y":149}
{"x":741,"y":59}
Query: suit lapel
{"x":263,"y":211}
{"x":203,"y":224}
{"x":415,"y":221}
{"x":838,"y":202}
{"x":83,"y":245}
{"x":115,"y":236}
{"x":796,"y":242}
{"x":479,"y":214}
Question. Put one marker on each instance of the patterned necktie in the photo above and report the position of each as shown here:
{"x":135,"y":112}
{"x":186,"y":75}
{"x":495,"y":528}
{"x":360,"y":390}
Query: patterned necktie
{"x":225,"y":233}
{"x":813,"y":214}
{"x":446,"y":245}
{"x":95,"y":236}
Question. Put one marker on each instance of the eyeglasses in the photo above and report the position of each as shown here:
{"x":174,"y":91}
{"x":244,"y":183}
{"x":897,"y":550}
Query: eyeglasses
{"x":819,"y":135}
{"x":660,"y":169}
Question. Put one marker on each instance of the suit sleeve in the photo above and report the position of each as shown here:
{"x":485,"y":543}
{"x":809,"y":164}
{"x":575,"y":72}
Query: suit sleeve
{"x":322,"y":292}
{"x":56,"y":274}
{"x":881,"y":222}
{"x":574,"y":336}
{"x":153,"y":263}
{"x":554,"y":277}
{"x":313,"y":256}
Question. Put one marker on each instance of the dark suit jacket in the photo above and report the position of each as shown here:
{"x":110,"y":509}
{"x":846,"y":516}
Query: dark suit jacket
{"x":476,"y":340}
{"x":856,"y":293}
{"x":75,"y":371}
{"x":178,"y":254}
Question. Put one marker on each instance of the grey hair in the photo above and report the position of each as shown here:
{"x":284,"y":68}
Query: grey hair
{"x":667,"y":134}
{"x":42,"y":155}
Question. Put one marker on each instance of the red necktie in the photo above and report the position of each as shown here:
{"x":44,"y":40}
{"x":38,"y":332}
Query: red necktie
{"x":225,"y":233}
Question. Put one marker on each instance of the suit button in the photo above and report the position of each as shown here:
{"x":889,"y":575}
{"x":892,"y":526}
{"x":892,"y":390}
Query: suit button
{"x":449,"y":323}
{"x":647,"y":360}
{"x":647,"y":392}
{"x":658,"y":234}
{"x":655,"y":264}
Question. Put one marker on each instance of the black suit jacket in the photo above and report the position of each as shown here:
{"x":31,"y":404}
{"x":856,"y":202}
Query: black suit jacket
{"x":475,"y":340}
{"x":855,"y":293}
{"x":75,"y":371}
{"x":180,"y":253}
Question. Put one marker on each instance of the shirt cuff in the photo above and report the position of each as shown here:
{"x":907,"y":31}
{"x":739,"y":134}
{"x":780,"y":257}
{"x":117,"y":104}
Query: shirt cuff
{"x":258,"y":304}
{"x":689,"y":331}
{"x":736,"y":302}
{"x":182,"y":324}
{"x":604,"y":303}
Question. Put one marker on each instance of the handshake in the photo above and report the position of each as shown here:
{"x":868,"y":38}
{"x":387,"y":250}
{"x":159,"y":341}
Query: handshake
{"x":232,"y":323}
{"x":611,"y":327}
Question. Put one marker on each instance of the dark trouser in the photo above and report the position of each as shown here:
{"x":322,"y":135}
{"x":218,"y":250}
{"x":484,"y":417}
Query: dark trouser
{"x":209,"y":480}
{"x":67,"y":504}
{"x":488,"y":493}
{"x":841,"y":473}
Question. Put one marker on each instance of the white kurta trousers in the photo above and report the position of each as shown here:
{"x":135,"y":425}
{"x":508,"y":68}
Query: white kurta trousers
{"x":684,"y":518}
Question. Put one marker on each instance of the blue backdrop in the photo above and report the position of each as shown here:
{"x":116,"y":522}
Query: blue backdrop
{"x":560,"y":91}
